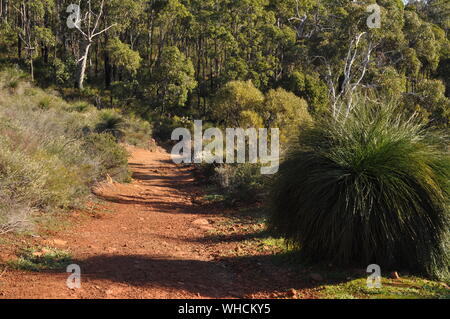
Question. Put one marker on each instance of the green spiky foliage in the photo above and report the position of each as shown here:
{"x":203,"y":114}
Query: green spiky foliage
{"x":371,"y":188}
{"x":111,"y":122}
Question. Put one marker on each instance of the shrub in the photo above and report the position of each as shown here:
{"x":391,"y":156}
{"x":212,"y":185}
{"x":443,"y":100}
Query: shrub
{"x":246,"y":184}
{"x":45,"y":103}
{"x":164,"y":126}
{"x":286,"y":111}
{"x":13,"y":80}
{"x":234,"y":98}
{"x":39,"y":180}
{"x":310,"y":87}
{"x":22,"y":179}
{"x":205,"y":173}
{"x":81,"y":107}
{"x":373,"y":188}
{"x":49,"y":157}
{"x":137,"y":132}
{"x":240,"y":183}
{"x":110,"y":157}
{"x":111,"y":122}
{"x":41,"y":259}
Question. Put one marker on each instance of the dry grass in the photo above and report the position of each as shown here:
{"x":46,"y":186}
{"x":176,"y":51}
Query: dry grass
{"x":50,"y":156}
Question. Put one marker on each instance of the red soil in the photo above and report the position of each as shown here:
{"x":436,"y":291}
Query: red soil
{"x":153,"y":241}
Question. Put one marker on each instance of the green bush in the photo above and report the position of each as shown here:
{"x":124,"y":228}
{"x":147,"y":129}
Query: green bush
{"x":164,"y":126}
{"x":42,"y":259}
{"x":111,"y":158}
{"x":110,"y":121}
{"x":137,"y":132}
{"x":373,"y":188}
{"x":49,"y":155}
{"x":81,"y":107}
{"x":21,"y":178}
{"x":246,"y":184}
{"x":13,"y":79}
{"x":239,"y":183}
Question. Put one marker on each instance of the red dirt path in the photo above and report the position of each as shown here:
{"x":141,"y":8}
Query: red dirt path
{"x":152,"y":243}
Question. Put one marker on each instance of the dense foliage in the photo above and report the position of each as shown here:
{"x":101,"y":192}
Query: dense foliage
{"x":50,"y":153}
{"x":373,"y":188}
{"x":173,"y":56}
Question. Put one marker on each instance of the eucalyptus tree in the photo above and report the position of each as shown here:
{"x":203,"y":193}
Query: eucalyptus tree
{"x":172,"y":81}
{"x":88,"y":25}
{"x":30,"y":27}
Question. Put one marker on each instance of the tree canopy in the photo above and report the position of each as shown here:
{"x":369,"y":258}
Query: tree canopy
{"x":177,"y":55}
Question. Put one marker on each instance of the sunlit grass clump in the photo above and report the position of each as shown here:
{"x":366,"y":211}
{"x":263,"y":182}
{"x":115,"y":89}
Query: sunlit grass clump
{"x":373,"y":188}
{"x":405,"y":288}
{"x":41,"y":259}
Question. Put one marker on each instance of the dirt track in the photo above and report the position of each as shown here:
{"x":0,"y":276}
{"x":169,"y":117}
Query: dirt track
{"x":151,"y":243}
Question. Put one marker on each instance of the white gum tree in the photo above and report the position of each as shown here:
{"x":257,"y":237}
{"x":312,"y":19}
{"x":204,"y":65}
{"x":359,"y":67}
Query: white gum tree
{"x":88,"y":26}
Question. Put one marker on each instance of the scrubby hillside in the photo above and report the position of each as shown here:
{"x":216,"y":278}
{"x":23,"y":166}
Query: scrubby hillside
{"x":52,"y":151}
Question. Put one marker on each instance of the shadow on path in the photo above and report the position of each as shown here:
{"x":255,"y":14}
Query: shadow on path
{"x":237,"y":277}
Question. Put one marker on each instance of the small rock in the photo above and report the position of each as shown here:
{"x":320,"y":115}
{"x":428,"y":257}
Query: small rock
{"x":292,"y":292}
{"x":59,"y":242}
{"x":109,"y":291}
{"x":315,"y":277}
{"x":395,"y":275}
{"x":200,"y":221}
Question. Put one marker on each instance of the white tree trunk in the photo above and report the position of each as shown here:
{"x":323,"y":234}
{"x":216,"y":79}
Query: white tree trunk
{"x":82,"y":64}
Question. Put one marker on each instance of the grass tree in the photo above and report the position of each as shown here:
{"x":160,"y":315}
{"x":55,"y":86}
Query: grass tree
{"x":373,"y":188}
{"x":110,"y":121}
